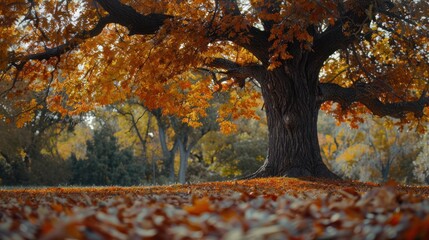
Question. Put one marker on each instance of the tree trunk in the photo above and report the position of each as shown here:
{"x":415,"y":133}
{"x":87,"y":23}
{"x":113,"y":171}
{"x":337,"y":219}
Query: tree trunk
{"x":168,"y":154}
{"x":292,"y":111}
{"x":184,"y":155}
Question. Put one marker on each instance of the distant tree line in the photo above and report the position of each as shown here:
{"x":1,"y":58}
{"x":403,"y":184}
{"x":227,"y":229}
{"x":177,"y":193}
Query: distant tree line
{"x":104,"y":164}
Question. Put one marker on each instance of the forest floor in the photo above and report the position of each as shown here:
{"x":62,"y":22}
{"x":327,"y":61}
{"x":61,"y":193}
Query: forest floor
{"x":273,"y":208}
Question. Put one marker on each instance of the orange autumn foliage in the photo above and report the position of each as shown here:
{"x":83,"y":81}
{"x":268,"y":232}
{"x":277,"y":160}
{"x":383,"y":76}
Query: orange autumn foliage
{"x":114,"y":65}
{"x":104,"y":62}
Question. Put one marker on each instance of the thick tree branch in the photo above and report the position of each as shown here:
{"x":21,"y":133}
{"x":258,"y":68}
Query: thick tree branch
{"x":61,"y":49}
{"x":148,"y":24}
{"x":234,"y":69}
{"x":135,"y":22}
{"x":141,"y":24}
{"x":230,"y":7}
{"x":336,"y":37}
{"x":237,"y":72}
{"x":333,"y":39}
{"x":346,"y":96}
{"x":223,"y":63}
{"x":258,"y":45}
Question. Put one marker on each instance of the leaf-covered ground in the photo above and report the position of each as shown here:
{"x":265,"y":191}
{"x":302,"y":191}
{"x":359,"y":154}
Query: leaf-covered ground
{"x":275,"y":208}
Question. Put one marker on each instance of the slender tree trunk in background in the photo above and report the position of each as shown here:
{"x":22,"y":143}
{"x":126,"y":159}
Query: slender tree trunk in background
{"x":184,"y":156}
{"x":292,"y":110}
{"x":186,"y":139}
{"x":144,"y":146}
{"x":142,"y":138}
{"x":385,"y":167}
{"x":168,"y":154}
{"x":153,"y":171}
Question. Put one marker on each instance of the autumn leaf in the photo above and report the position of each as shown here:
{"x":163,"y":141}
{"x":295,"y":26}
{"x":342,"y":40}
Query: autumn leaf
{"x":294,"y":209}
{"x":199,"y":206}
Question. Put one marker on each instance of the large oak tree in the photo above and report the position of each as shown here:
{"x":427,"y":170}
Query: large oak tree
{"x":347,"y":56}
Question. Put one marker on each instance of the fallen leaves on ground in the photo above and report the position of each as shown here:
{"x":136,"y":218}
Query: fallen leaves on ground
{"x":273,"y":208}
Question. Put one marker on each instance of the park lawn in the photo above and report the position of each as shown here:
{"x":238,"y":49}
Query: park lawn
{"x":272,"y":208}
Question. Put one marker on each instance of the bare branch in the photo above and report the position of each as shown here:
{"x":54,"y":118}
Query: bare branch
{"x":14,"y":81}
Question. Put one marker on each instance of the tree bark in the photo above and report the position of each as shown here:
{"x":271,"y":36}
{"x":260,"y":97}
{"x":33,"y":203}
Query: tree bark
{"x":292,"y":110}
{"x":168,"y":154}
{"x":184,"y":156}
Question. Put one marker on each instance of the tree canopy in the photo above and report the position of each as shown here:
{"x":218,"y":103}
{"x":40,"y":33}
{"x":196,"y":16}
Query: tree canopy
{"x":364,"y":56}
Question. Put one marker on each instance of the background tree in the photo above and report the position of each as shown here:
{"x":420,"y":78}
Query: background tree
{"x":183,"y":138}
{"x":421,"y":164}
{"x":74,"y":142}
{"x":28,"y":152}
{"x":135,"y":128}
{"x":377,"y":151}
{"x":105,"y":163}
{"x":234,"y":155}
{"x":365,"y":55}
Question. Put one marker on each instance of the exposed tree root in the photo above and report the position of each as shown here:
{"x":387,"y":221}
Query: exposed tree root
{"x":320,"y":171}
